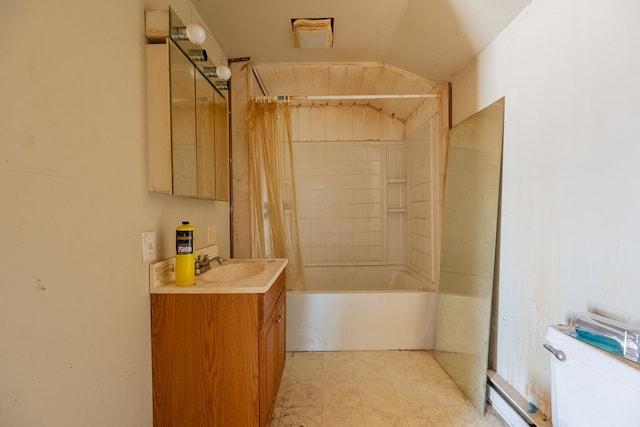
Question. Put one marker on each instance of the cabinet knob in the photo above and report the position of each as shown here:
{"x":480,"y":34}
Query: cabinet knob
{"x":280,"y":317}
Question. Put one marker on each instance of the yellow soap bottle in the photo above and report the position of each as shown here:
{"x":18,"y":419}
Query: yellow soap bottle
{"x":185,"y":258}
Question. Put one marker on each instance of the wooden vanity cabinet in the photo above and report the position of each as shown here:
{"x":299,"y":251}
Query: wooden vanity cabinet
{"x":217,"y":359}
{"x":272,"y":345}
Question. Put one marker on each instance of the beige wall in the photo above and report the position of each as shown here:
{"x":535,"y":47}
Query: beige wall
{"x":74,"y":305}
{"x":570,"y":198}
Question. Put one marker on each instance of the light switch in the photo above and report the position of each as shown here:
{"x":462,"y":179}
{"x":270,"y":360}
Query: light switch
{"x":211,"y":234}
{"x":148,"y":246}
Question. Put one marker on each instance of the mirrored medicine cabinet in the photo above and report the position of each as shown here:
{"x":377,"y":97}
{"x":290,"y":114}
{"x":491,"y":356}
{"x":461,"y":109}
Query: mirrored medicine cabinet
{"x":187,"y":125}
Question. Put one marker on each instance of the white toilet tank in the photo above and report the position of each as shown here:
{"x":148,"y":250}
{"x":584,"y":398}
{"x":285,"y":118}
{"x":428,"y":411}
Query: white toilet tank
{"x":591,"y":387}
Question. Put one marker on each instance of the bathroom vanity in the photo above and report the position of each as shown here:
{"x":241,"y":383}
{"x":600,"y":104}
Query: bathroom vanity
{"x":218,"y":348}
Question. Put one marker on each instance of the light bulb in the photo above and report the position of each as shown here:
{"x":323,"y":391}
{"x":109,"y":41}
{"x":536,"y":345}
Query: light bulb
{"x":196,"y":34}
{"x":223,"y":72}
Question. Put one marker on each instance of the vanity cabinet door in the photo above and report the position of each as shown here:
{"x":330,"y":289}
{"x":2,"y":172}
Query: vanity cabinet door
{"x":271,"y":349}
{"x":204,"y":357}
{"x":281,"y":334}
{"x":217,"y":359}
{"x":268,"y":387}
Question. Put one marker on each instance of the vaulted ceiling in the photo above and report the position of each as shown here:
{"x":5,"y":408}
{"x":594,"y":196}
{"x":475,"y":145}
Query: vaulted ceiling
{"x":380,"y":46}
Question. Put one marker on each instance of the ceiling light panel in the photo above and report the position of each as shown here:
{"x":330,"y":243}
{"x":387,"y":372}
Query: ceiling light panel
{"x":312,"y":33}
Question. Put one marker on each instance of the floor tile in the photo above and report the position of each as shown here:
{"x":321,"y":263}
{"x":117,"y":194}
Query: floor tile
{"x":302,"y":393}
{"x":305,"y":369}
{"x":372,"y":389}
{"x":383,"y":416}
{"x":300,"y":416}
{"x":338,"y":369}
{"x":451,"y":417}
{"x":370,"y":369}
{"x":378,"y":393}
{"x":340,"y":393}
{"x":342,"y":416}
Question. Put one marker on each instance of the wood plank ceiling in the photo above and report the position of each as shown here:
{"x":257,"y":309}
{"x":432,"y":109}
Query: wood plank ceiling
{"x":374,"y":42}
{"x":345,"y":79}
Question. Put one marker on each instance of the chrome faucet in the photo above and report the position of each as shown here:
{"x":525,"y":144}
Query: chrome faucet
{"x":203,"y":263}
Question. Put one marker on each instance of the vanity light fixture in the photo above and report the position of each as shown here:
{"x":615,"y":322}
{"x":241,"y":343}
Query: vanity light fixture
{"x":220,"y":85}
{"x":198,"y":55}
{"x":195,"y":33}
{"x":221,"y":71}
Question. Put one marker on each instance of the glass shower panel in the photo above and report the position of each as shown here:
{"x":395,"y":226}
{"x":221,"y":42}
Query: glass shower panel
{"x":472,"y":194}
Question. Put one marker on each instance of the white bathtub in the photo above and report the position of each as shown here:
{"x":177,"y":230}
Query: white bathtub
{"x":361,"y":308}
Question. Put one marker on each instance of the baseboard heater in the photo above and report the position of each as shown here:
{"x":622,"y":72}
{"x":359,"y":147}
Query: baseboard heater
{"x":518,"y":404}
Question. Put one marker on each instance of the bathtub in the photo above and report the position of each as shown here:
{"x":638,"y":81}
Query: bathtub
{"x":361,"y":308}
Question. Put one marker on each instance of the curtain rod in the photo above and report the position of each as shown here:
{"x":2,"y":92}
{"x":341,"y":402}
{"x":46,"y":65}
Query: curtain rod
{"x":338,"y":97}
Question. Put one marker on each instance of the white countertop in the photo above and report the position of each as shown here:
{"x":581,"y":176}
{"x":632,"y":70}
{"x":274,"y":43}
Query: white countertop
{"x":264,"y":273}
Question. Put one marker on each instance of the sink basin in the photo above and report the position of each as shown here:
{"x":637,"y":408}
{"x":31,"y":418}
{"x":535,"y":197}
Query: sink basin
{"x":233,"y":271}
{"x":233,"y":276}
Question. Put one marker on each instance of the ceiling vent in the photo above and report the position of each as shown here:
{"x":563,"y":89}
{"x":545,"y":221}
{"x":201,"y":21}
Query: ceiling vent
{"x":312,"y":33}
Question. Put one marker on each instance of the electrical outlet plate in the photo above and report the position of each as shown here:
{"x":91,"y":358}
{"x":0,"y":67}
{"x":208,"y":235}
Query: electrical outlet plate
{"x":148,"y":246}
{"x":211,"y":234}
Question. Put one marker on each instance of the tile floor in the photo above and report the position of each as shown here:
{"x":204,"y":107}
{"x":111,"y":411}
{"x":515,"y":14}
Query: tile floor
{"x":370,"y":389}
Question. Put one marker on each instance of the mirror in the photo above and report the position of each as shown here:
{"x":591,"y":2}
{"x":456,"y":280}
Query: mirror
{"x":199,"y":147}
{"x":470,"y":221}
{"x":187,"y":118}
{"x":183,"y":124}
{"x":205,"y":132}
{"x":221,"y":128}
{"x":200,"y":140}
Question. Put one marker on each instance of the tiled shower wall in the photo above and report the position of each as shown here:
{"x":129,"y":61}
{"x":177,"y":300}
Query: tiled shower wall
{"x":351,"y":182}
{"x":422,"y":173}
{"x":344,"y":123}
{"x":365,"y":192}
{"x":340,"y":202}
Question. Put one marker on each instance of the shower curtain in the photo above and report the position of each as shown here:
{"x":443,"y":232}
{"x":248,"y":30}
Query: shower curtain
{"x":274,"y":223}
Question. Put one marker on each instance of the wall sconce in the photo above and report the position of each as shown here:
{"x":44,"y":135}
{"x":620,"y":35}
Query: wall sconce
{"x":221,"y":71}
{"x":195,"y":33}
{"x":198,"y":55}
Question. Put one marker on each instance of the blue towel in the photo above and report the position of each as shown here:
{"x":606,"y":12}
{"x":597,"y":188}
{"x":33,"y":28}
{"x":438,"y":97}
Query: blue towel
{"x":605,"y":343}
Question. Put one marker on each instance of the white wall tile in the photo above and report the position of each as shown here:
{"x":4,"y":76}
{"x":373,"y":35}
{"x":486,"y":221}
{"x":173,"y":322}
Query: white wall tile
{"x":342,"y":203}
{"x":318,"y":125}
{"x":345,"y":123}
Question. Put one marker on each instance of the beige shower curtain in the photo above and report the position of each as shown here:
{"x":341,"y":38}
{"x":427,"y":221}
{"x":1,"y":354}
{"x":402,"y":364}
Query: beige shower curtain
{"x":274,"y":221}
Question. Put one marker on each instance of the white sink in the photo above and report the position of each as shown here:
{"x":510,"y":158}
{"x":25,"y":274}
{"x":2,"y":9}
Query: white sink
{"x":232,"y":276}
{"x":233,"y":271}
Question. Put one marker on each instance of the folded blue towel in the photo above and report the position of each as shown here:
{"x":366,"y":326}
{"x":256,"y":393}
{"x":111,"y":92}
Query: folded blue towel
{"x":605,"y":343}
